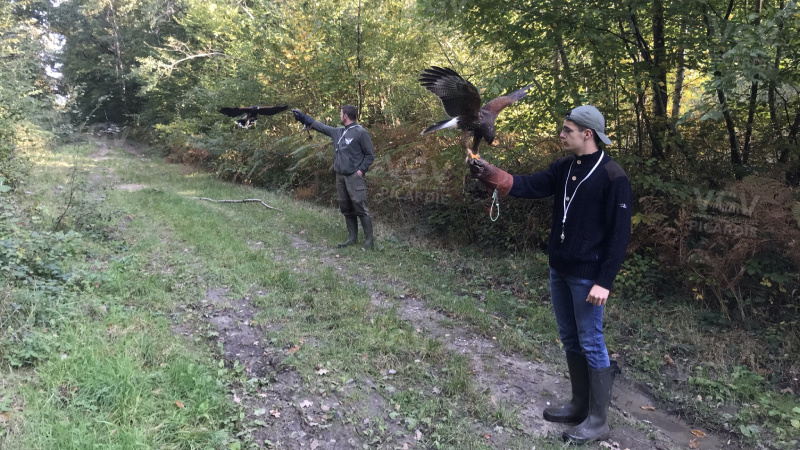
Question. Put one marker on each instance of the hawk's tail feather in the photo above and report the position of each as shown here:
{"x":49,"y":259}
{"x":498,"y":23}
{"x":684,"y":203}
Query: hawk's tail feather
{"x":449,"y":123}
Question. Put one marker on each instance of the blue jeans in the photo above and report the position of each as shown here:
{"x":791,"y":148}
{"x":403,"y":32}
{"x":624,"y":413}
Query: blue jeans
{"x":580,"y":323}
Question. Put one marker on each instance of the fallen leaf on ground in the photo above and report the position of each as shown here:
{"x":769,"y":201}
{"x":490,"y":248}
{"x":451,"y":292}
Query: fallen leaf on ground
{"x":294,"y":349}
{"x":694,"y":443}
{"x":236,"y":399}
{"x":649,"y":408}
{"x":418,"y":435}
{"x":314,"y":444}
{"x":322,"y":371}
{"x":274,"y":413}
{"x":668,"y":360}
{"x":306,"y":403}
{"x":180,"y":405}
{"x":698,"y":433}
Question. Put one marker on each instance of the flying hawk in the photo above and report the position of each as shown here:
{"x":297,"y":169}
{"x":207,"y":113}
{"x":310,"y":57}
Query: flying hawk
{"x":252,"y":113}
{"x":462,"y":102}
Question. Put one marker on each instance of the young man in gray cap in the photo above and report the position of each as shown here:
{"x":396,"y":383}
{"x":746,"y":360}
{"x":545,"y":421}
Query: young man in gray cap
{"x":590,"y":230}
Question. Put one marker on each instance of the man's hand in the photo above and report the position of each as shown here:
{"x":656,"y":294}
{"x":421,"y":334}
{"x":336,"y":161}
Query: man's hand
{"x":477,"y":167}
{"x":598,"y":295}
{"x":492,"y":177}
{"x":360,"y":174}
{"x":302,"y":118}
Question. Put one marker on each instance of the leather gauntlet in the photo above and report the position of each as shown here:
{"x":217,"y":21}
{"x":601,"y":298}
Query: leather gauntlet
{"x":491,"y":176}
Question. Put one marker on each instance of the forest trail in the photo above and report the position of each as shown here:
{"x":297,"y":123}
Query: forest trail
{"x":302,"y":415}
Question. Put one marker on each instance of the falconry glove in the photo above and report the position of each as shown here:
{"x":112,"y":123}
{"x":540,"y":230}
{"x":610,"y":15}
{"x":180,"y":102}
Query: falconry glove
{"x":491,"y":176}
{"x":302,"y":118}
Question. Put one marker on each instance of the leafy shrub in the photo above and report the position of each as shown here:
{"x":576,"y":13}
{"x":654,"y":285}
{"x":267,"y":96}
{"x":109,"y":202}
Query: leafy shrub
{"x":34,"y":280}
{"x":745,"y":389}
{"x":639,"y":278}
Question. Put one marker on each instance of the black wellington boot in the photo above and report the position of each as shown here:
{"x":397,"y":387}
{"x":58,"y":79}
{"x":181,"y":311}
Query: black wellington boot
{"x":578,"y":408}
{"x":366,"y":224}
{"x":595,"y":427}
{"x":352,"y":231}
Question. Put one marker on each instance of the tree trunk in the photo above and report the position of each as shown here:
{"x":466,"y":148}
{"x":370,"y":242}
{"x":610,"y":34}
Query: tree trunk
{"x":660,"y":97}
{"x":653,"y":130}
{"x":358,"y":62}
{"x":751,"y":114}
{"x":736,"y":157}
{"x":639,"y":134}
{"x":751,"y":109}
{"x":777,"y":129}
{"x":791,"y":140}
{"x":677,"y":93}
{"x":771,"y":97}
{"x":566,"y":70}
{"x":119,"y":67}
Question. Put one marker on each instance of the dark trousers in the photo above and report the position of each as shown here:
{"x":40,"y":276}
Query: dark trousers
{"x":352,"y":191}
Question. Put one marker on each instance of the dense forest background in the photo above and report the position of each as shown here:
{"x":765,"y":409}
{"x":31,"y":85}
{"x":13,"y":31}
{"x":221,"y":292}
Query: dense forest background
{"x":700,"y":97}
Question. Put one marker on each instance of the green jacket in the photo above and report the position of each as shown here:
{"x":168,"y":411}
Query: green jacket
{"x":352,"y":146}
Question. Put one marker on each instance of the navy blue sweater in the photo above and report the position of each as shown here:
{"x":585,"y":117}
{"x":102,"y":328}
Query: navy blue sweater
{"x":598,"y":225}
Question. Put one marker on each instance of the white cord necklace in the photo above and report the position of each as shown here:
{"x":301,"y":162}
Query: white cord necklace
{"x":569,"y":202}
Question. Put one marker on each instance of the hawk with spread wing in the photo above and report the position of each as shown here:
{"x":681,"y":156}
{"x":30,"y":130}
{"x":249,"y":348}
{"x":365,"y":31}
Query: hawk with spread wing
{"x":252,"y":113}
{"x":462,"y":102}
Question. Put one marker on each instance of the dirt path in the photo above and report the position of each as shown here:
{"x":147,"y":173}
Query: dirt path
{"x":529,"y":386}
{"x":302,"y":417}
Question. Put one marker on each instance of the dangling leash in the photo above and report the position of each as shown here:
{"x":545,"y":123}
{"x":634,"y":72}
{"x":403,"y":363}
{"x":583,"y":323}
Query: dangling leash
{"x":495,"y":202}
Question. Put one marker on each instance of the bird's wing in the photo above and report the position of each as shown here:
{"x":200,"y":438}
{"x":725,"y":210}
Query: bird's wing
{"x":459,"y":97}
{"x":497,"y":105}
{"x":271,"y":110}
{"x":449,"y":123}
{"x":234,"y":112}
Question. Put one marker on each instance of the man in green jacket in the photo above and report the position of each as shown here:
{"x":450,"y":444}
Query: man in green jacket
{"x":353,"y":154}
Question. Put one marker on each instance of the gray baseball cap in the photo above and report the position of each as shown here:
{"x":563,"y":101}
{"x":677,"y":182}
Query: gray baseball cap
{"x":588,"y":116}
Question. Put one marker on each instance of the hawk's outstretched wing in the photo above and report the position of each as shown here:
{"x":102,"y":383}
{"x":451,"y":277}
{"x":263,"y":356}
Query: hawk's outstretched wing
{"x":271,"y":110}
{"x":234,"y":112}
{"x":497,"y":105}
{"x":253,"y":111}
{"x":459,"y":97}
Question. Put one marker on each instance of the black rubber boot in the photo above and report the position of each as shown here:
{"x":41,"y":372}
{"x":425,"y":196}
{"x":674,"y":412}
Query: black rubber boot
{"x":366,"y":224}
{"x":578,"y":408}
{"x":352,"y":231}
{"x":595,"y":427}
